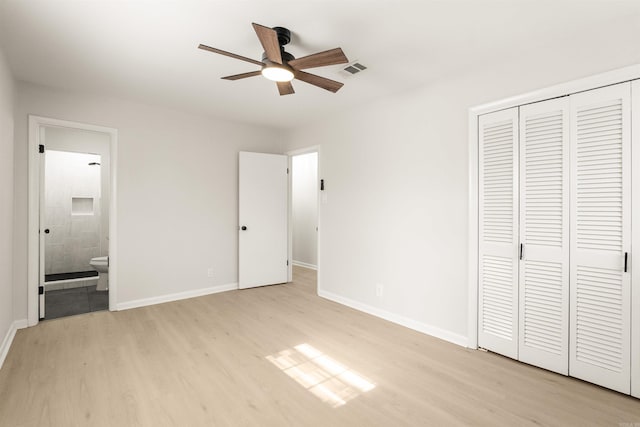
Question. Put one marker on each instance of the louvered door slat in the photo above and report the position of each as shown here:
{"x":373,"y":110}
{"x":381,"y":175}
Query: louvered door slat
{"x":498,"y":269}
{"x":600,"y":230}
{"x":544,"y":211}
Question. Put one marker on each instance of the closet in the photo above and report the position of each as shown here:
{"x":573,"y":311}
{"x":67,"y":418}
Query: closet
{"x":554,"y":234}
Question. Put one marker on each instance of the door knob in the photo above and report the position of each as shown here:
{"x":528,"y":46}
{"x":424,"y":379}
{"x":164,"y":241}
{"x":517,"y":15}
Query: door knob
{"x":46,"y":231}
{"x":243,"y":228}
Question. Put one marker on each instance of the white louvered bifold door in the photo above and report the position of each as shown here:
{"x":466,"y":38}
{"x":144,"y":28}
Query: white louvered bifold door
{"x":600,"y":236}
{"x":544,"y":235}
{"x":498,"y":225}
{"x":635,"y":240}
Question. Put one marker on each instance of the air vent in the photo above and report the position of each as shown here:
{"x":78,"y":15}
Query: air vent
{"x":352,"y":68}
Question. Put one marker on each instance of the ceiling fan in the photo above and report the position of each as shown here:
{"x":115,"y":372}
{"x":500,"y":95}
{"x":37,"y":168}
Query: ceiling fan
{"x":280,"y":66}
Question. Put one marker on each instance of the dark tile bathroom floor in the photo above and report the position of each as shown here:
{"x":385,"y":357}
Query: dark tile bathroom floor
{"x":67,"y":302}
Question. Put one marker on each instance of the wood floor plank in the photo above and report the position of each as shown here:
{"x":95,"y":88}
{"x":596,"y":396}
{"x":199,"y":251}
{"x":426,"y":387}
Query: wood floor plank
{"x":203,"y":362}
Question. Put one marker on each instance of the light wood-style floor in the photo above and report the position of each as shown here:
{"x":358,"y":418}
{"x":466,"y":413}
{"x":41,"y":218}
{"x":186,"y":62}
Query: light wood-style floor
{"x":203,"y":362}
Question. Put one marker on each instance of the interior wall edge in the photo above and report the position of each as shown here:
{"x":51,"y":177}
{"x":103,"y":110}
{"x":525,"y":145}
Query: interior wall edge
{"x":8,"y":338}
{"x":7,"y":201}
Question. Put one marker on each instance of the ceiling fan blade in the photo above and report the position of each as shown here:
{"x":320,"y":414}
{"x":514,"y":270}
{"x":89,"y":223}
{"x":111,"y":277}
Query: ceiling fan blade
{"x":324,"y":83}
{"x":285,"y":88}
{"x":320,"y":59}
{"x":242,"y":76}
{"x":232,"y":55}
{"x":269,"y":40}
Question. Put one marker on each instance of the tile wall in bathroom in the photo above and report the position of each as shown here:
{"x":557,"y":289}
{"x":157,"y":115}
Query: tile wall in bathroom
{"x":74,"y":236}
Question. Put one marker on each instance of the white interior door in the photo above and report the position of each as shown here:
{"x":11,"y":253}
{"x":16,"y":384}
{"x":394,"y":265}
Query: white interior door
{"x":498,"y":237}
{"x":263,"y":219}
{"x":544,"y":235}
{"x":600,"y":292}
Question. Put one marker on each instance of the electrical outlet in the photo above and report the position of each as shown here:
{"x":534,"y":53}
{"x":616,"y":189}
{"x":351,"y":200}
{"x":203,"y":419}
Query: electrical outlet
{"x":210,"y":272}
{"x":379,"y":289}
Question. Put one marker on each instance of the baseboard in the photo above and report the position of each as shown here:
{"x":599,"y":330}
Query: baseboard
{"x":175,"y":297}
{"x":395,"y":318}
{"x":8,"y":338}
{"x":304,"y":264}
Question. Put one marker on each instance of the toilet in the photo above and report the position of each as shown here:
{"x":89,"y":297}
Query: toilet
{"x":101,"y":265}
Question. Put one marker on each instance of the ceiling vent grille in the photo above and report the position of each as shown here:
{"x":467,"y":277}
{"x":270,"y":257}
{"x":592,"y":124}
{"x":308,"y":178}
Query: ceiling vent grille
{"x":352,"y":68}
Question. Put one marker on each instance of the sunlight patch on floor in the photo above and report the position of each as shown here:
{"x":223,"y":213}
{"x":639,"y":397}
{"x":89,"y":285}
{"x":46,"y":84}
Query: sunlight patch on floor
{"x":330,"y":381}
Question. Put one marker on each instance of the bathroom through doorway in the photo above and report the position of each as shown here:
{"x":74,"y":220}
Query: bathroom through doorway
{"x":70,"y":218}
{"x":75,"y":221}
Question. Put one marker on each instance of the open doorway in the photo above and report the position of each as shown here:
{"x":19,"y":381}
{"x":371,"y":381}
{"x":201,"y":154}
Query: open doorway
{"x":71,"y":218}
{"x":74,"y":215}
{"x":304,"y":216}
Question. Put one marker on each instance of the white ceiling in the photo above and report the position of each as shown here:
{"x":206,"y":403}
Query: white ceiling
{"x":146,"y":50}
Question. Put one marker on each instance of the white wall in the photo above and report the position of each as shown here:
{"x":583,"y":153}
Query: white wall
{"x":304,"y":200}
{"x":6,"y":200}
{"x":177,"y":191}
{"x":396,"y":176}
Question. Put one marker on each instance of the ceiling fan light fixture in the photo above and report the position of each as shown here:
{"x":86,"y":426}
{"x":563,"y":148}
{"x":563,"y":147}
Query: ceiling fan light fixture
{"x":280,"y":66}
{"x":277,"y":73}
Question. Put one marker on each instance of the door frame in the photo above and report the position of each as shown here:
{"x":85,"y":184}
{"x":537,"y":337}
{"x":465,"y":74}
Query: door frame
{"x":291,"y":154}
{"x":33,"y":234}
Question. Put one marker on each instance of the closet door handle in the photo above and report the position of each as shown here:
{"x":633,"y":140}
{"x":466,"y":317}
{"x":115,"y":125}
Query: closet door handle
{"x":521,"y":250}
{"x":626,"y":256}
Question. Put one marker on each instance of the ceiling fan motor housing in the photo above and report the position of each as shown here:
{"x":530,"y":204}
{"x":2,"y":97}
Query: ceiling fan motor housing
{"x":286,"y":56}
{"x":284,"y":35}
